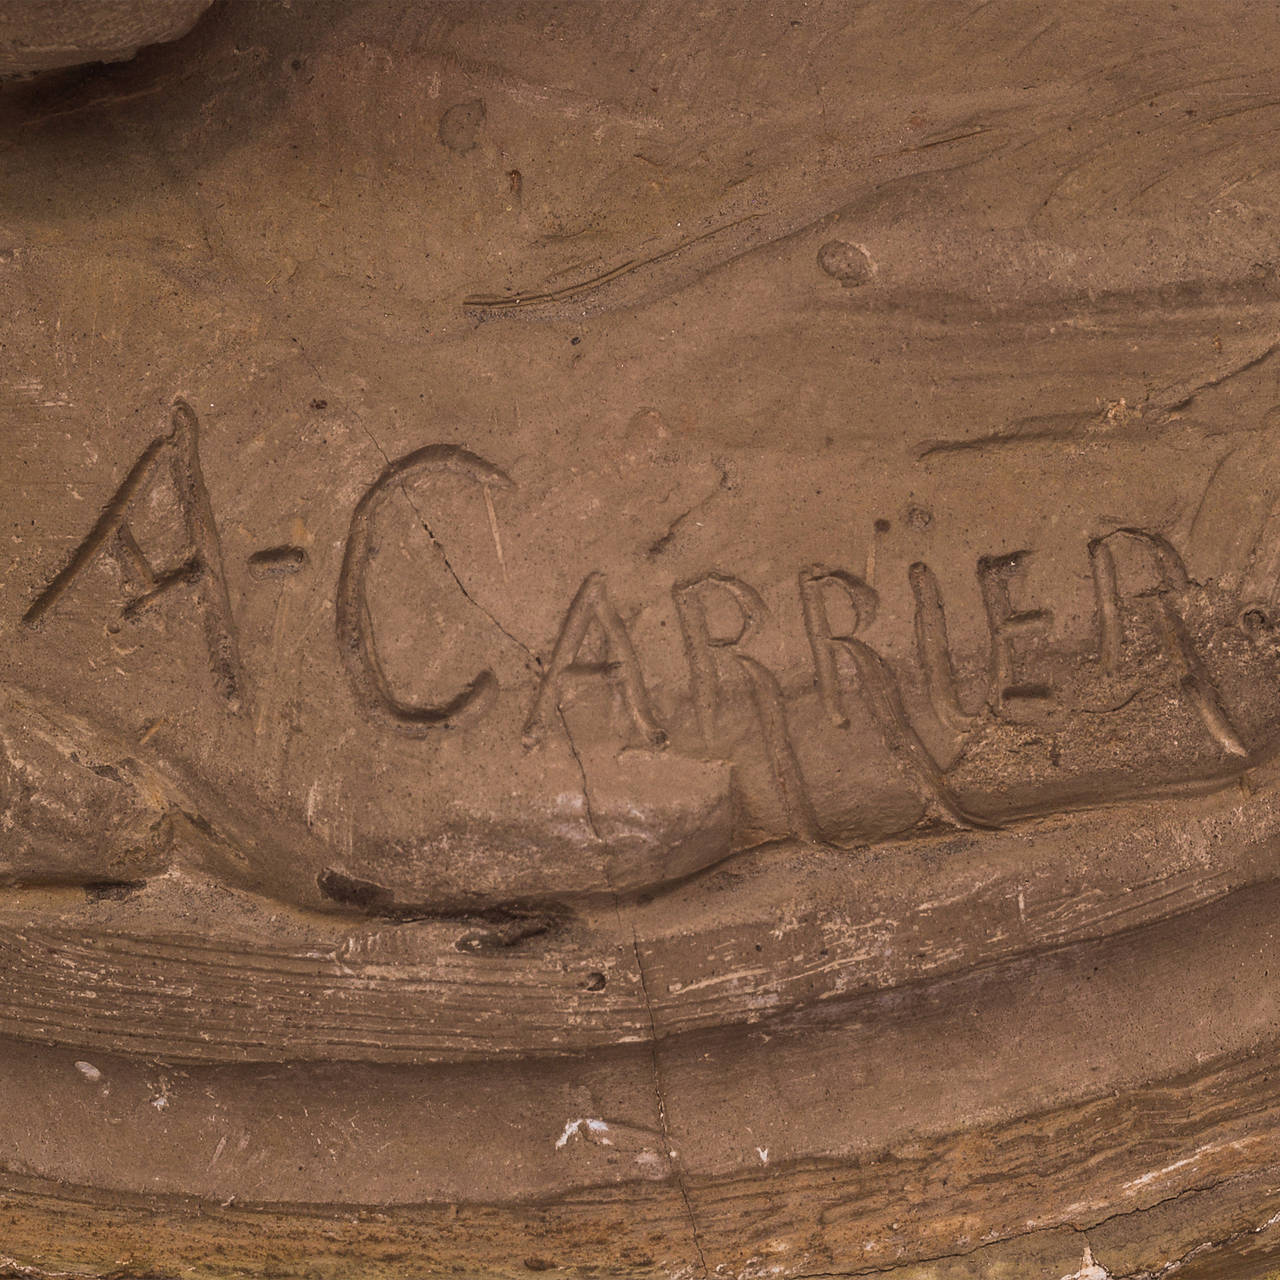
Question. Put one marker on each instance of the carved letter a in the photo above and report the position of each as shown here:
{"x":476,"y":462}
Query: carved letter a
{"x":592,"y":606}
{"x":199,"y":566}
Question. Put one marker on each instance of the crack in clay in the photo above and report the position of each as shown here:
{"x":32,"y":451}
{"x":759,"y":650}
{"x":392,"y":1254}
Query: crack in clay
{"x":444,"y":555}
{"x":588,"y":813}
{"x":427,"y":529}
{"x":664,"y":1126}
{"x":673,"y":1159}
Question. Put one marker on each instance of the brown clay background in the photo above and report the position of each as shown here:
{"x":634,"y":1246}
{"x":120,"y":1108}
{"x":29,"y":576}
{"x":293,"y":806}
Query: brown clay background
{"x":639,"y":639}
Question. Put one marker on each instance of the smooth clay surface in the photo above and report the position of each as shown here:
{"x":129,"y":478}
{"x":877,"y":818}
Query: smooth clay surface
{"x":643,"y":639}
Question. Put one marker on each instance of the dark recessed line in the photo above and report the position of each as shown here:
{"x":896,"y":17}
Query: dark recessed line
{"x":275,"y":562}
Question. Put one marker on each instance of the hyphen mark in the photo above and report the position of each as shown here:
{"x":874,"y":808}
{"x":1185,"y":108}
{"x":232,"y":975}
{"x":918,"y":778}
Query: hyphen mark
{"x":277,"y":562}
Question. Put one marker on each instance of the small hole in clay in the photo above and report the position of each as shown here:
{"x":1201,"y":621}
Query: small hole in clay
{"x":1254,"y":621}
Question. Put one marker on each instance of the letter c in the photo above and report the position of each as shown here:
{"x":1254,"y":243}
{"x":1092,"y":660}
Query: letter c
{"x":354,"y":625}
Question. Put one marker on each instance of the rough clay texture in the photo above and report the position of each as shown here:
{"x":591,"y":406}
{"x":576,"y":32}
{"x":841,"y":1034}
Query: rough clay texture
{"x":642,"y":640}
{"x":37,"y":35}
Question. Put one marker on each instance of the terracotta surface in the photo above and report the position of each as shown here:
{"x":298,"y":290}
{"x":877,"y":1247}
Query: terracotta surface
{"x":38,"y":35}
{"x":642,"y":640}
